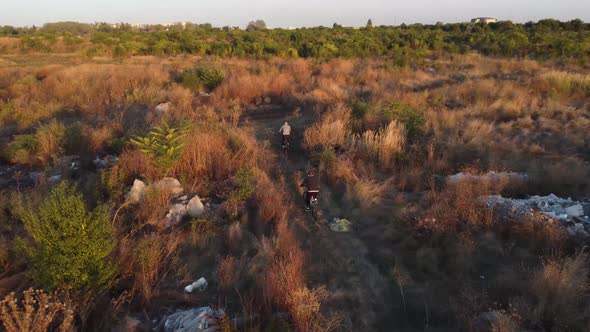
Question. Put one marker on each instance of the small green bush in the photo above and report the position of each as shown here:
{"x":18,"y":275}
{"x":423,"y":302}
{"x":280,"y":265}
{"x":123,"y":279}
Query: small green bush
{"x":197,"y":78}
{"x":412,"y":119}
{"x":21,"y":150}
{"x":70,"y":246}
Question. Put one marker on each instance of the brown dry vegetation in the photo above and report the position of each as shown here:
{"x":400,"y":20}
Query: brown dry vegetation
{"x":382,"y":136}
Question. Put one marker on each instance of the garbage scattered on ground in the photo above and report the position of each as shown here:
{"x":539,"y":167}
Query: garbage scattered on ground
{"x":102,"y":162}
{"x":163,"y":107}
{"x":340,"y":225}
{"x":55,"y":178}
{"x":200,"y":285}
{"x":492,"y":177}
{"x":201,"y":319}
{"x":71,"y":162}
{"x":182,"y":207}
{"x":573,"y":215}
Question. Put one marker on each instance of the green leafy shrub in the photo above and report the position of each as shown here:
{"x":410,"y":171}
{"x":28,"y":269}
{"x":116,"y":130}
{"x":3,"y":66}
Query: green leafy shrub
{"x":21,"y":150}
{"x":197,"y":78}
{"x":163,"y":144}
{"x":70,"y":246}
{"x":245,"y":188}
{"x":407,"y":115}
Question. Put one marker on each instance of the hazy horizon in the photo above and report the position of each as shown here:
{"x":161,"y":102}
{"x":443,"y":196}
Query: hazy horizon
{"x":287,"y":13}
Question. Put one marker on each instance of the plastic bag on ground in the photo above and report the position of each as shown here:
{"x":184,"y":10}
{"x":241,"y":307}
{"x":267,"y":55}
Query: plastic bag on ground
{"x":340,"y":225}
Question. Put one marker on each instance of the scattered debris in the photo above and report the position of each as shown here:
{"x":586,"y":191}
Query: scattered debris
{"x":163,"y":107}
{"x":201,"y":319}
{"x":105,"y":162}
{"x":200,"y":285}
{"x":71,"y":162}
{"x":137,"y":192}
{"x":340,"y":225}
{"x":493,"y":177}
{"x":55,"y":178}
{"x":573,"y":215}
{"x":431,"y":70}
{"x":181,"y":207}
{"x":195,"y":207}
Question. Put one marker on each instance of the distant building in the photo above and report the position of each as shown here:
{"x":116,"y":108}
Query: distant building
{"x":486,"y":20}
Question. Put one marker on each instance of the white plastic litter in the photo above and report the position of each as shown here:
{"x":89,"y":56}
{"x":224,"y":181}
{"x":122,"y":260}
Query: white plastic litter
{"x":200,"y":285}
{"x":340,"y":225}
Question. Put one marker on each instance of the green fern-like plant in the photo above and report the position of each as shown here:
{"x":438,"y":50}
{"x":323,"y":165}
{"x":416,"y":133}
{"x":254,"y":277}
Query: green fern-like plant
{"x":163,"y":143}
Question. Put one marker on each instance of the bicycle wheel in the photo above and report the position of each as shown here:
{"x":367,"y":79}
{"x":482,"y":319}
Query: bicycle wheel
{"x":314,"y":211}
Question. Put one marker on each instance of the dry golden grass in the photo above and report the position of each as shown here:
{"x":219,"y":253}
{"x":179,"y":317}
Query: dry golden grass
{"x":383,"y":145}
{"x":214,"y":155}
{"x":332,"y":130}
{"x":152,"y":257}
{"x":459,"y":207}
{"x":50,"y":138}
{"x":560,"y":290}
{"x":135,"y":164}
{"x":228,"y":273}
{"x":153,"y":207}
{"x":38,"y":311}
{"x":561,"y":83}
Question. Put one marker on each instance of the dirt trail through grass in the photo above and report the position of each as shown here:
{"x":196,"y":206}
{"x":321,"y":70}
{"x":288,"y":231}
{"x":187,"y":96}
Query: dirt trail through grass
{"x":340,"y":261}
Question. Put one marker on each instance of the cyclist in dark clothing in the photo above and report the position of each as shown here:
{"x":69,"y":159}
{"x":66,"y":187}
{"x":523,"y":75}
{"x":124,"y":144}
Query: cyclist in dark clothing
{"x":312,"y":187}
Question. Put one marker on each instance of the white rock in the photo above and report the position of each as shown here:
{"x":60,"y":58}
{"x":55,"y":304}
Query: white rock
{"x":200,"y":284}
{"x":171,"y":185}
{"x":575,"y":210}
{"x":195,"y":207}
{"x":163,"y":107}
{"x":137,"y":192}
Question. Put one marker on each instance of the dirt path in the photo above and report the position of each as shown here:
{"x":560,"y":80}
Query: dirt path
{"x":339,"y":261}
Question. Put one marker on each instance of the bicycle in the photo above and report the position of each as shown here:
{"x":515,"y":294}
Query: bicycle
{"x":286,"y":145}
{"x":313,"y":207}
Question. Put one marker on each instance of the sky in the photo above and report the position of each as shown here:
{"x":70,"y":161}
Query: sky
{"x":286,"y":13}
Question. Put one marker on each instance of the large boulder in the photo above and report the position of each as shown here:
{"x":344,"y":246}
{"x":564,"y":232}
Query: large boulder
{"x":137,"y":192}
{"x":171,"y":185}
{"x":195,"y":207}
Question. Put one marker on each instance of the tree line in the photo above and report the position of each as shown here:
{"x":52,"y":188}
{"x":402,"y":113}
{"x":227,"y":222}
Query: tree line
{"x":545,"y":39}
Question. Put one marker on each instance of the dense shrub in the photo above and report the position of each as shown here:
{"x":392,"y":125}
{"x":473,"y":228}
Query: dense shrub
{"x":202,"y":77}
{"x":407,"y":115}
{"x":70,"y":246}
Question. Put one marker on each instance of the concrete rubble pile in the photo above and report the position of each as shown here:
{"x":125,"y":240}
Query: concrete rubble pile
{"x":204,"y":319}
{"x":573,"y":215}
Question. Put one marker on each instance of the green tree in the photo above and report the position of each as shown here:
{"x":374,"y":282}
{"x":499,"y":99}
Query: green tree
{"x":256,"y":25}
{"x":70,"y":246}
{"x":369,"y":24}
